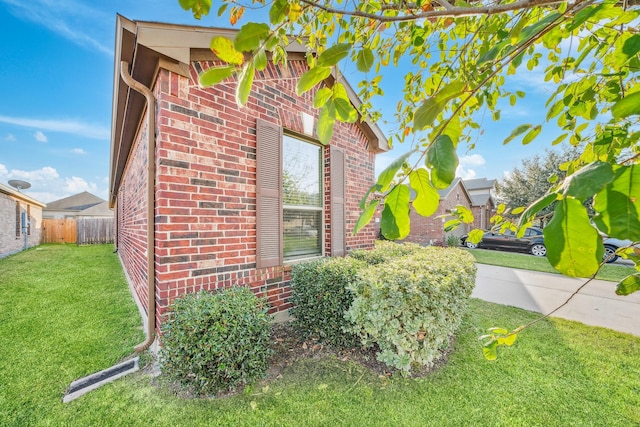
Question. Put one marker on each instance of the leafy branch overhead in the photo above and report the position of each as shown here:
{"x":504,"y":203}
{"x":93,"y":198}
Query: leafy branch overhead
{"x":458,"y":57}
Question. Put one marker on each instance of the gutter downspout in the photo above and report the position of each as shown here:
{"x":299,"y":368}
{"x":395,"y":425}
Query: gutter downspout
{"x":151,"y":271}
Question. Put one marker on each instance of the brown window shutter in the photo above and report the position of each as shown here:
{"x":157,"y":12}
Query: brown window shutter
{"x":337,"y":203}
{"x":268,"y":194}
{"x":18,"y":219}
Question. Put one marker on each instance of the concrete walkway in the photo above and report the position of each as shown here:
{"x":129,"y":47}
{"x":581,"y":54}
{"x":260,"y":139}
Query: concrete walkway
{"x":596,"y":304}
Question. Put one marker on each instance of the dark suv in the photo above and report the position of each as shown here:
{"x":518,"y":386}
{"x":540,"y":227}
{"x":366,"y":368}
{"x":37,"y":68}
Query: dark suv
{"x":532,"y":241}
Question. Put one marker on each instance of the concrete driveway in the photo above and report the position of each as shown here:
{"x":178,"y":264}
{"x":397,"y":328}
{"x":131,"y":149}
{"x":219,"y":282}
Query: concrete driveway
{"x":596,"y":304}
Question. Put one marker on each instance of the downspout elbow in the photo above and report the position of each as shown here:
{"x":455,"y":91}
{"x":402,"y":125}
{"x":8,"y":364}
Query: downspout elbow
{"x":151,"y":276}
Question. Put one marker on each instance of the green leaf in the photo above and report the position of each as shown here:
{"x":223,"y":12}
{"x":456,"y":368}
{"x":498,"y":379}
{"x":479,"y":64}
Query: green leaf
{"x":223,"y":48}
{"x":464,"y":213}
{"x":508,"y":340}
{"x":260,"y":60}
{"x":311,"y":78}
{"x":394,"y":223}
{"x":326,"y":121}
{"x":389,"y":173}
{"x":589,"y":180}
{"x":215,"y":75}
{"x":531,"y":211}
{"x":278,"y":11}
{"x":574,"y":246}
{"x":517,"y":211}
{"x":629,"y":285}
{"x":631,"y":46}
{"x":365,"y":216}
{"x":334,"y":54}
{"x":516,"y":132}
{"x":250,"y":36}
{"x":344,"y":109}
{"x":490,"y":350}
{"x":364,"y":60}
{"x":427,"y":198}
{"x":617,"y":206}
{"x":531,"y":135}
{"x":427,"y":113}
{"x":452,"y":224}
{"x":475,"y":236}
{"x":442,"y":159}
{"x":559,"y":139}
{"x":245,"y":81}
{"x":627,"y":106}
{"x":322,"y":96}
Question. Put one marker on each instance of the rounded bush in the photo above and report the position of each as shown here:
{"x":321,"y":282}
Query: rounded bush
{"x":385,"y":251}
{"x":320,"y":297}
{"x":410,"y":306}
{"x":214,"y":342}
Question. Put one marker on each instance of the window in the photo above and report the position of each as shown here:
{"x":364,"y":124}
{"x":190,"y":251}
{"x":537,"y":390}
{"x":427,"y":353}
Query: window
{"x":301,"y":198}
{"x":290,"y":219}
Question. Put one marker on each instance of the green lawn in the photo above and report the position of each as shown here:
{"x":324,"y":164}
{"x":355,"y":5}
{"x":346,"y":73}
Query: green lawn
{"x":65,"y":311}
{"x":612,"y":272}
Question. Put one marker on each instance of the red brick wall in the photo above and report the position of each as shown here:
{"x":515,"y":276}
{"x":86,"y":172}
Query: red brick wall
{"x":431,"y":229}
{"x":206,"y":188}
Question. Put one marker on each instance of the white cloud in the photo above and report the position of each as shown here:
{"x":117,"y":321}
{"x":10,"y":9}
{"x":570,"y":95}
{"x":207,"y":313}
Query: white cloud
{"x":465,"y":173}
{"x":9,"y":138}
{"x":68,"y":18}
{"x":47,"y":185}
{"x":472,"y":160}
{"x":40,"y":137}
{"x":79,"y":151}
{"x":66,"y":126}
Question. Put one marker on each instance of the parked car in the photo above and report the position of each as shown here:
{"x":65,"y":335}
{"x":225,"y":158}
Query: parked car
{"x":532,"y":241}
{"x":611,"y":245}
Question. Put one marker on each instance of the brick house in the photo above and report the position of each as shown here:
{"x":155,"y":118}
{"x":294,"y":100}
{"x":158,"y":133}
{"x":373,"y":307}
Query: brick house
{"x":481,"y":191}
{"x":430,"y":230}
{"x":207,"y":194}
{"x":20,"y":221}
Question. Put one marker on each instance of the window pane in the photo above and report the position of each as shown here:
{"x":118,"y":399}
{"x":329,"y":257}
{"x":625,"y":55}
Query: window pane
{"x":301,"y":175}
{"x":302,"y":235}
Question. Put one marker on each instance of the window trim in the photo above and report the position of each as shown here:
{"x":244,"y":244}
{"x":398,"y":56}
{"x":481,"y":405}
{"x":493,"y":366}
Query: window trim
{"x":288,"y":260}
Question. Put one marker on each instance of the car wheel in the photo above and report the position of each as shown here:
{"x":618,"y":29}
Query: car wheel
{"x":538,"y":249}
{"x":609,"y":253}
{"x":470,"y":245}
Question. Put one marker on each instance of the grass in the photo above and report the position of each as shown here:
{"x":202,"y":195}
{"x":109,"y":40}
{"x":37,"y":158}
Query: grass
{"x":611,"y":272}
{"x":65,"y":311}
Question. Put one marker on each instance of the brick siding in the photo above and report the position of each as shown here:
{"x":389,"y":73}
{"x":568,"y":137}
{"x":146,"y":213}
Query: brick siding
{"x":205,"y":207}
{"x":9,"y":242}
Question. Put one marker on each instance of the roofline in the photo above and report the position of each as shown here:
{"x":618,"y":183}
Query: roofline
{"x":18,"y":195}
{"x":146,"y":45}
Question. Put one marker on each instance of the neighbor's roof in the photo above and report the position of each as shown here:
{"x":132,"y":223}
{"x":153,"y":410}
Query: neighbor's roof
{"x":18,"y":195}
{"x":101,"y":209}
{"x":147,"y":45}
{"x":479,"y":183}
{"x":480,"y":199}
{"x":76,"y":203}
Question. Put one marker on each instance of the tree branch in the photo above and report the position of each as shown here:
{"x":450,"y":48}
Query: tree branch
{"x":447,"y":10}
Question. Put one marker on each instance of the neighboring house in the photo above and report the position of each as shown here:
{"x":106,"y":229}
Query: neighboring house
{"x":20,"y":221}
{"x":76,"y":205}
{"x":208,"y":194}
{"x":481,"y":191}
{"x":430,"y":230}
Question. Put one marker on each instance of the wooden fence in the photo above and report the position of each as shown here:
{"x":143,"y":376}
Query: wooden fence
{"x":94,"y":230}
{"x":58,"y":230}
{"x":83,"y":231}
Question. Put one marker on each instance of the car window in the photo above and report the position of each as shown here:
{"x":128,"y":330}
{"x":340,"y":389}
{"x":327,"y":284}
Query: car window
{"x":532,"y":232}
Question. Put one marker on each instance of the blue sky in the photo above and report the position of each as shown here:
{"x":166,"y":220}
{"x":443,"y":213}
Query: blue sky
{"x":56,"y":78}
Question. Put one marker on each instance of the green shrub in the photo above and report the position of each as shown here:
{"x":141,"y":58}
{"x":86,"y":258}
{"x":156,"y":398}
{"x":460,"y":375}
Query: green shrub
{"x":412,"y":305}
{"x":213,"y":342}
{"x":385,"y":251}
{"x":320,"y":298}
{"x":452,"y":240}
